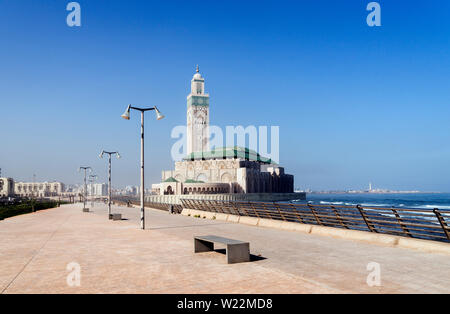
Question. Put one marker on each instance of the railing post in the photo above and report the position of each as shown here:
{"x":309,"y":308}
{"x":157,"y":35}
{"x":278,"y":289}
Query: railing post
{"x":267,"y":211}
{"x":204,"y":206}
{"x":244,"y":210}
{"x":225,"y":209}
{"x":366,"y":219}
{"x":210,"y":207}
{"x":200,"y":204}
{"x":300,"y":219}
{"x":279,"y":211}
{"x":254,"y":210}
{"x":400,"y":221}
{"x":236,"y":209}
{"x":315,"y":215}
{"x":218,"y":209}
{"x":339,"y":218}
{"x":442,"y":222}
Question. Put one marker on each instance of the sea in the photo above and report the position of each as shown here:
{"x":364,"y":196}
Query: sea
{"x":398,"y":200}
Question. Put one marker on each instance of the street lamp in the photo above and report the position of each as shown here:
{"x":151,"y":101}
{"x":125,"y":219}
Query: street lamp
{"x":85,"y":186}
{"x":92,"y":179}
{"x":109,"y":176}
{"x":126,"y":116}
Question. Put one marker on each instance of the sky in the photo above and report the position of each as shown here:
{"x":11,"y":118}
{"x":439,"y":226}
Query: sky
{"x":355,"y":104}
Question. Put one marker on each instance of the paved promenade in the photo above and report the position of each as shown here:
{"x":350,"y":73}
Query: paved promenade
{"x":118,"y":257}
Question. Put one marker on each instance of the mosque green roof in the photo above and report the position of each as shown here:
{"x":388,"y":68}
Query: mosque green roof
{"x":171,"y":179}
{"x":229,"y":152}
{"x":193,"y":181}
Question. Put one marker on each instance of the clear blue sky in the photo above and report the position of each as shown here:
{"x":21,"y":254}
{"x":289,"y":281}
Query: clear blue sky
{"x":354,"y":104}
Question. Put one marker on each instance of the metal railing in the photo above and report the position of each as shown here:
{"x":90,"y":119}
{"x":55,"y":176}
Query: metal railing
{"x":414,"y":223}
{"x":124,"y":201}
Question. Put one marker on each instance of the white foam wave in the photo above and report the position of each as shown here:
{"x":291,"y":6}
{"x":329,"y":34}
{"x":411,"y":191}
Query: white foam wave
{"x":434,"y":206}
{"x":331,"y":203}
{"x":375,"y":205}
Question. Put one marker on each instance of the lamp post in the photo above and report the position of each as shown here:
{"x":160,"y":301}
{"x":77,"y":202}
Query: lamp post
{"x":85,"y":186}
{"x":126,"y":116}
{"x":109,"y":176}
{"x":92,"y":179}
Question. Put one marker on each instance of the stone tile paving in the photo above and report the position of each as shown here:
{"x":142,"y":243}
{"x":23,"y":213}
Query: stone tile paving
{"x":118,"y":257}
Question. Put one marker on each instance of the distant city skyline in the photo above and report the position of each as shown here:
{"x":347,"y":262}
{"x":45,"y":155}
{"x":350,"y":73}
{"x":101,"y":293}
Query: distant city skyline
{"x":354,"y":103}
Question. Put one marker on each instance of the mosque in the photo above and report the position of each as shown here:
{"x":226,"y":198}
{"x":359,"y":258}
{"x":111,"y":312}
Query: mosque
{"x":227,"y":170}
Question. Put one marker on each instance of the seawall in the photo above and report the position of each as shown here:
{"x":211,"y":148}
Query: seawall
{"x":367,"y":237}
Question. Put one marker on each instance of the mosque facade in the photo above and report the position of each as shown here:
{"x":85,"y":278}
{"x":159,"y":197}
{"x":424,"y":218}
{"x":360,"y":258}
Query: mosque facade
{"x":227,"y":170}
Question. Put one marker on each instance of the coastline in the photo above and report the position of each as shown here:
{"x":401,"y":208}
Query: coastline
{"x":423,"y":200}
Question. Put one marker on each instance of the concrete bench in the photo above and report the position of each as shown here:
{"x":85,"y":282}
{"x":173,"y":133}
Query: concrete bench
{"x":237,"y":251}
{"x":115,"y":217}
{"x":85,"y":210}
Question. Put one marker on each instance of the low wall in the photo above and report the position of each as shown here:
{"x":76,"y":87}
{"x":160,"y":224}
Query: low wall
{"x":355,"y":235}
{"x":254,"y":197}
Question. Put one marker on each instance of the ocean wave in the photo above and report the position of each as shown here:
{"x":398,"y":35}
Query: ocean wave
{"x":375,"y":205}
{"x":331,"y":203}
{"x":434,"y":206}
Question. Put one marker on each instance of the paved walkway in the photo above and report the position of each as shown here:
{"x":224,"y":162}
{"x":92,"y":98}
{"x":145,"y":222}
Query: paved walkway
{"x":118,"y":257}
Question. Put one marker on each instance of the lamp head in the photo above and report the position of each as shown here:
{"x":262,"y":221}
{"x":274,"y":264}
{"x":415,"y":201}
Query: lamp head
{"x":118,"y":155}
{"x":159,"y":116}
{"x":101,"y":154}
{"x":85,"y":169}
{"x":126,"y":114}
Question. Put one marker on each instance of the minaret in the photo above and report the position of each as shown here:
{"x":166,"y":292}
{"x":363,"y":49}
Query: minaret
{"x":197,"y":116}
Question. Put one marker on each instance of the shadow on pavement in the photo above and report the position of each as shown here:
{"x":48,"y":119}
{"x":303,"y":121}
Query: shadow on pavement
{"x":253,"y":258}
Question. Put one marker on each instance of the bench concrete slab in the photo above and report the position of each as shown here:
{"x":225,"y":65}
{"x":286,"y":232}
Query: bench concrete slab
{"x":237,"y":251}
{"x":115,"y":217}
{"x":85,"y":210}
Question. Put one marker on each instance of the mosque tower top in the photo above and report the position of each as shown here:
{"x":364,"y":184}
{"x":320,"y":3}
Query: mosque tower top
{"x":198,"y":84}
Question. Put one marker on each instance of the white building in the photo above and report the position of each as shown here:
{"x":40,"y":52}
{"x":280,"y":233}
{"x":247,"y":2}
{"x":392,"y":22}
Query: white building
{"x":6,"y":187}
{"x":131,"y":190}
{"x":97,"y":189}
{"x":38,"y":189}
